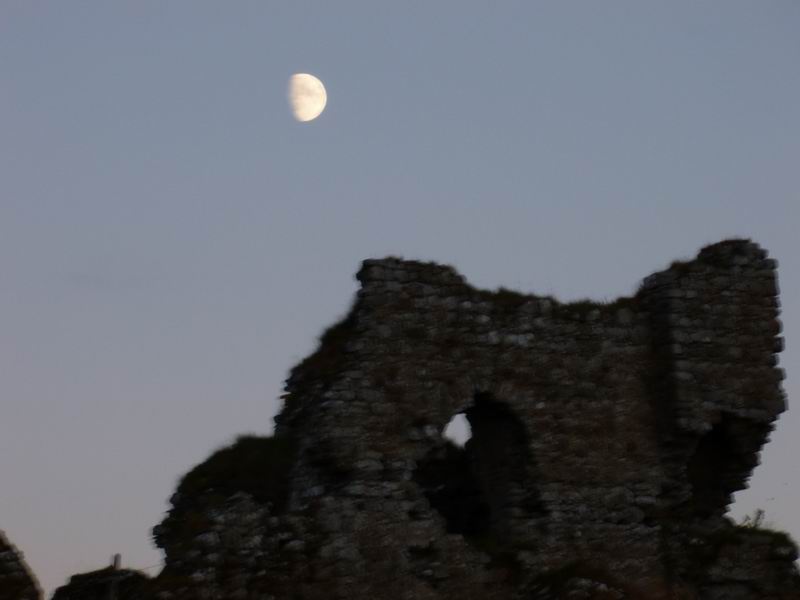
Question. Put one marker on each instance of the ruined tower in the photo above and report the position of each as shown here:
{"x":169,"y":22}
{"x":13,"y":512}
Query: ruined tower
{"x":607,"y":441}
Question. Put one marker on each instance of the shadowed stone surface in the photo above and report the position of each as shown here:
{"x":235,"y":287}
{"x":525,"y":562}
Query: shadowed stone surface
{"x":16,"y":580}
{"x":105,"y":584}
{"x":607,"y":440}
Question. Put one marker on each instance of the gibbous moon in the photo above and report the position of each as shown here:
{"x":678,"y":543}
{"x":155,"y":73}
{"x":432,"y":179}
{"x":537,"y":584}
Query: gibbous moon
{"x":307,"y":96}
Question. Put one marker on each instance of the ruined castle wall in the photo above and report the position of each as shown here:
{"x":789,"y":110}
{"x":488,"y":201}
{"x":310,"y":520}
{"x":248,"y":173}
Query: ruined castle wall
{"x":16,"y":580}
{"x":614,"y":399}
{"x":605,"y":434}
{"x":715,"y":324}
{"x":424,"y":344}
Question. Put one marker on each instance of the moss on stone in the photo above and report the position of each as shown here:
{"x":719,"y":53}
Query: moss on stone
{"x":256,"y":465}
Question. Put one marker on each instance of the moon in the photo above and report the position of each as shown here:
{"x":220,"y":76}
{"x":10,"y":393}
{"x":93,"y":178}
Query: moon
{"x":307,"y":96}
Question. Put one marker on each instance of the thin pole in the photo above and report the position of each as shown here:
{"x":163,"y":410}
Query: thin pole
{"x":116,"y":561}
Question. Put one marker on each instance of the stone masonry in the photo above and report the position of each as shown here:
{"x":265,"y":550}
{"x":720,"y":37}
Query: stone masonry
{"x":607,"y":441}
{"x":16,"y":580}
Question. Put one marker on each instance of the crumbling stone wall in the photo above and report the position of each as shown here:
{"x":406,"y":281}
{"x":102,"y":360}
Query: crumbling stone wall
{"x":16,"y":580}
{"x":606,"y":435}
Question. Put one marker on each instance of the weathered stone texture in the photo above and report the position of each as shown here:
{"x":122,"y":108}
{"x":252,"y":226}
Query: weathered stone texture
{"x":609,"y":435}
{"x":16,"y":580}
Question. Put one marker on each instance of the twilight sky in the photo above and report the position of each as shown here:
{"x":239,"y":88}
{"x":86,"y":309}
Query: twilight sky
{"x":172,"y":241}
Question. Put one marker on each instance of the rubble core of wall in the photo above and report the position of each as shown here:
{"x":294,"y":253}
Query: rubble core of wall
{"x":16,"y":580}
{"x":607,"y":441}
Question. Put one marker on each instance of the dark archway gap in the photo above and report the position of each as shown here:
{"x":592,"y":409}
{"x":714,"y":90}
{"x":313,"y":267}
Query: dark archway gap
{"x":479,"y":486}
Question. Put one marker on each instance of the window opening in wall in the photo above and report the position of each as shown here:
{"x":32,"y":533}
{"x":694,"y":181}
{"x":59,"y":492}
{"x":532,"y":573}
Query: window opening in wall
{"x":446,"y":476}
{"x":708,"y":470}
{"x":458,"y":430}
{"x":479,"y":473}
{"x":499,"y":453}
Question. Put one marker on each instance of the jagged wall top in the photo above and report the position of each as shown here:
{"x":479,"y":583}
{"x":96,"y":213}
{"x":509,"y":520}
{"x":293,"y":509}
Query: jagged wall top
{"x":633,"y":413}
{"x":605,"y":434}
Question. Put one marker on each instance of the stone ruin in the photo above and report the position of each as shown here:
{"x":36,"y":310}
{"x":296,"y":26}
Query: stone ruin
{"x":16,"y":580}
{"x":606,"y":442}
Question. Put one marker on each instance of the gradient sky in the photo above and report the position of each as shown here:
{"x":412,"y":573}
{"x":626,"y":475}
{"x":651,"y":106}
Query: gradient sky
{"x":172,"y":242}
